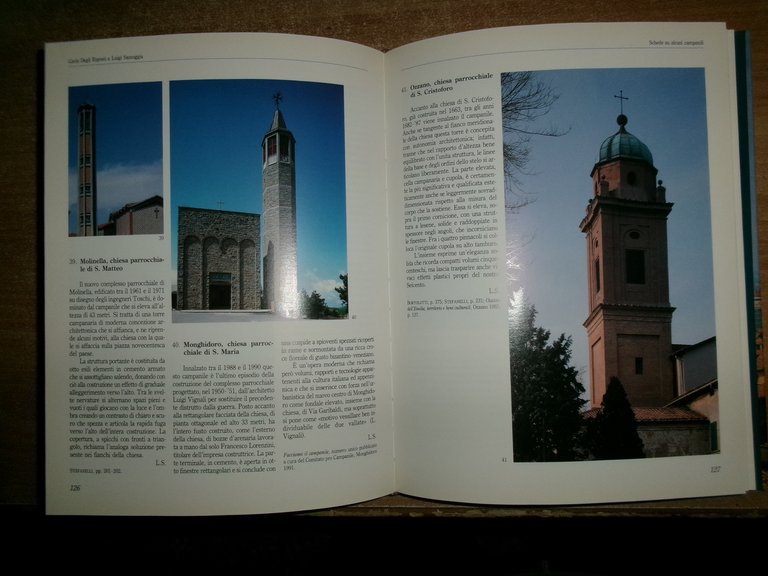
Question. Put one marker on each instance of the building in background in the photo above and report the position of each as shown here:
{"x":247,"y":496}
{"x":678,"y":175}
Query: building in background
{"x":145,"y":217}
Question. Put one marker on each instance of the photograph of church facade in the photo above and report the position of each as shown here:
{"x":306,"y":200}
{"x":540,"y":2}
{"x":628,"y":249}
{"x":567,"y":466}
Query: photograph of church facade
{"x":239,"y":229}
{"x":638,"y":373}
{"x":222,"y":273}
{"x":115,"y":160}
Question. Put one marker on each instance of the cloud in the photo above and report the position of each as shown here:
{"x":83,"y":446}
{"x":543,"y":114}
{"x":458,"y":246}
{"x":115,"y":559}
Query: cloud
{"x":118,"y":185}
{"x":324,"y":287}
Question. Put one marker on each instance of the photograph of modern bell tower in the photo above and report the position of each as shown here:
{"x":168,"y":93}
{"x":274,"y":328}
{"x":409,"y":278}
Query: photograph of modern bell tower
{"x":115,"y":160}
{"x":258,"y":200}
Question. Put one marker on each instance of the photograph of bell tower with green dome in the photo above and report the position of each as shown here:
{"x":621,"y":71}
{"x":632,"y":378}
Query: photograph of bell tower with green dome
{"x":610,"y":272}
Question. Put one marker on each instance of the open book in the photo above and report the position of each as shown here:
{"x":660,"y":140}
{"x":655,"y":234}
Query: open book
{"x":502,"y":267}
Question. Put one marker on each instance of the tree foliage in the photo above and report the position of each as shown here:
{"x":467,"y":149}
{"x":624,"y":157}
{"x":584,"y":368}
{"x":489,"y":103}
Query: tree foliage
{"x":524,"y":100}
{"x":546,"y":392}
{"x":342,"y":290}
{"x":313,"y":305}
{"x":613,"y":431}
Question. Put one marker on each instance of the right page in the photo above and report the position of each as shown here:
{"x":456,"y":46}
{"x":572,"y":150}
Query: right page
{"x":569,"y":295}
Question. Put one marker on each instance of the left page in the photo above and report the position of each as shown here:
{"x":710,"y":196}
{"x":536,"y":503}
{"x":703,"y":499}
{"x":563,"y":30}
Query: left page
{"x":211,"y":201}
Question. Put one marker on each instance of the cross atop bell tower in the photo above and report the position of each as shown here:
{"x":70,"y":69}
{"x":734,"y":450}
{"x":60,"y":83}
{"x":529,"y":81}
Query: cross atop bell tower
{"x":621,"y":98}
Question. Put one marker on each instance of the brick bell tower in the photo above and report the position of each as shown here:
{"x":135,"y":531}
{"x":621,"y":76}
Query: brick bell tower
{"x":629,"y":326}
{"x":279,"y":217}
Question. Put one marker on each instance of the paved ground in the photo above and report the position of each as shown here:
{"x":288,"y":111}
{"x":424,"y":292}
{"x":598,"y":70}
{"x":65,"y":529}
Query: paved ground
{"x":221,"y":316}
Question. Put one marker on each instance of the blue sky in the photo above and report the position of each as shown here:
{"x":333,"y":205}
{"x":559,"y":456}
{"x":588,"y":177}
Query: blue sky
{"x":216,"y":131}
{"x":129,"y":144}
{"x":667,"y":111}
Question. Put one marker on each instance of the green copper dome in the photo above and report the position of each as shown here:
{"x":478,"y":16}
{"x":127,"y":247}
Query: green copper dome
{"x":623,"y":145}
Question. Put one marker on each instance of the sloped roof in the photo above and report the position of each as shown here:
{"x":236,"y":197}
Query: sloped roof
{"x":667,"y":414}
{"x":278,"y":122}
{"x":155,"y":200}
{"x":661,"y":414}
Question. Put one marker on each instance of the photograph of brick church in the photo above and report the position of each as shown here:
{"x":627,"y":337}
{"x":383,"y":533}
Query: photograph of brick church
{"x":610,"y":273}
{"x":115,"y":160}
{"x":258,"y":200}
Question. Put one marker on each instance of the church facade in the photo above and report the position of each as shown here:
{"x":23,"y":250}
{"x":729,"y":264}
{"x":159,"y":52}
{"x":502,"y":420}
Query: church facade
{"x":220,"y":264}
{"x":218,"y":260}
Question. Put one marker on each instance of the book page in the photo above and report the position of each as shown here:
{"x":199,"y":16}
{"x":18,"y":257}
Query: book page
{"x":568,"y":279}
{"x":217,"y":334}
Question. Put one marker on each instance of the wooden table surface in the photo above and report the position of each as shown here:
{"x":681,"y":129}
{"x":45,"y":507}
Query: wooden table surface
{"x":25,"y":25}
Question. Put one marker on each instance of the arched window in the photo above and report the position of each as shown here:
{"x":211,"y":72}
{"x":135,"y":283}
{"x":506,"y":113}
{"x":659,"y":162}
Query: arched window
{"x":285,"y":149}
{"x":272,"y":149}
